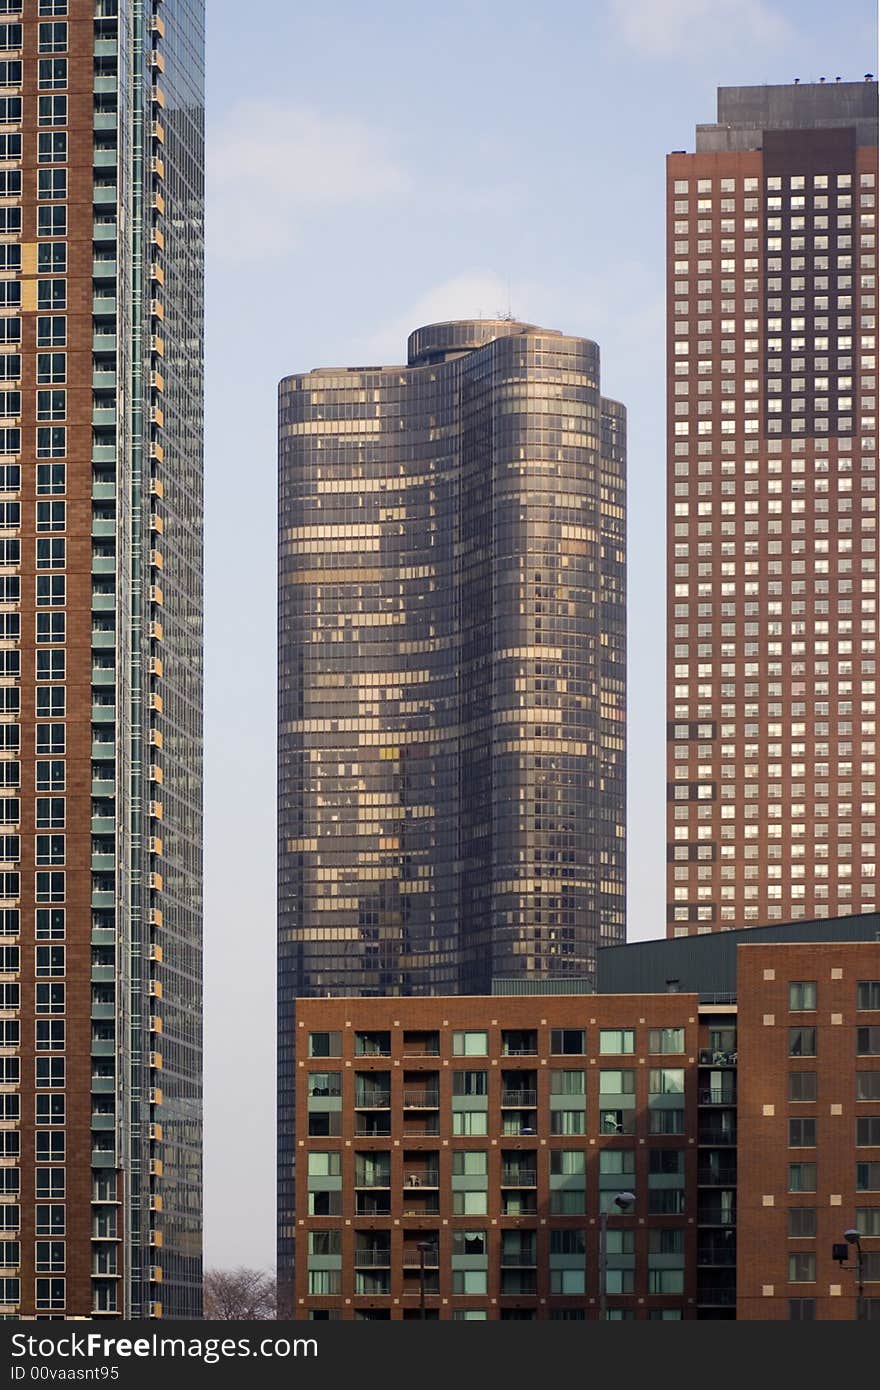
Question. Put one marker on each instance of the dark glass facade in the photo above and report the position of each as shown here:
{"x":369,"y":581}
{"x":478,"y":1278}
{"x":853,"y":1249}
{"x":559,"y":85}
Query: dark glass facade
{"x":452,"y":672}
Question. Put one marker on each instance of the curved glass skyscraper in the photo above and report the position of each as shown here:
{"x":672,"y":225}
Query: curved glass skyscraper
{"x":452,"y":671}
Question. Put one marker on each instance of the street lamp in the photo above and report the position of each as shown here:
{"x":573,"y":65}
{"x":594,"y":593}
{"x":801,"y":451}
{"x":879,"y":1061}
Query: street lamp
{"x":623,"y":1201}
{"x":423,"y":1247}
{"x":839,"y":1252}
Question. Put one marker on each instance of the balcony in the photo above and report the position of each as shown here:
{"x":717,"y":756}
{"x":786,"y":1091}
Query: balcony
{"x":519,"y":1259}
{"x":716,"y":1298}
{"x":373,"y":1179}
{"x":716,"y":1216}
{"x":423,"y":1177}
{"x":710,"y":1175}
{"x":421,"y":1100}
{"x":519,"y":1177}
{"x":412,"y":1258}
{"x":373,"y":1126}
{"x":373,"y":1100}
{"x":710,"y":1057}
{"x":711,"y":1096}
{"x":721,"y":1255}
{"x":374,"y":1258}
{"x":519,"y":1100}
{"x":716,"y":1137}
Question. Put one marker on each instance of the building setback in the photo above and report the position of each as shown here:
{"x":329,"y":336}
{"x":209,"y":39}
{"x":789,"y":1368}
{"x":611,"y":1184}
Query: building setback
{"x":452,"y":673}
{"x":772,"y":450}
{"x":101,"y":173}
{"x":484,"y":1137}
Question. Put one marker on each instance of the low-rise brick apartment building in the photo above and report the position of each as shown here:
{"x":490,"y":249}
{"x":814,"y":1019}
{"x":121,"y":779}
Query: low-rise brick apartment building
{"x":461,"y":1157}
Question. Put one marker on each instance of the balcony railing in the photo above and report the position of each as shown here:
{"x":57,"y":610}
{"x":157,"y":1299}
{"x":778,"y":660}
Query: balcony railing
{"x":373,"y":1100}
{"x":412,"y":1258}
{"x":425,"y":1177}
{"x":717,"y":1177}
{"x":421,"y":1100}
{"x":716,"y":1216}
{"x":716,"y":1298}
{"x":716,"y":1255}
{"x":364,"y":1131}
{"x":375,"y":1259}
{"x":525,"y":1100}
{"x":714,"y":1057}
{"x":717,"y":1097}
{"x":372,"y":1179}
{"x":523,"y":1050}
{"x":717,"y":1138}
{"x":519,"y":1177}
{"x":519,"y":1259}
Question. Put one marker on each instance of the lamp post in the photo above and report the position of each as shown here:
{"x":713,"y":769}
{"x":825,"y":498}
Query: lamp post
{"x":623,"y":1201}
{"x":840,"y":1251}
{"x":423,"y":1247}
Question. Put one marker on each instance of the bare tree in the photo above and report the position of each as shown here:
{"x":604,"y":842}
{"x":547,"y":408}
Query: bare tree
{"x":245,"y":1295}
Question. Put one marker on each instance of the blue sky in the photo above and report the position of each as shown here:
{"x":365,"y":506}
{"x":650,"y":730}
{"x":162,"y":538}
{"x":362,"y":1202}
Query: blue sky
{"x":370,"y":169}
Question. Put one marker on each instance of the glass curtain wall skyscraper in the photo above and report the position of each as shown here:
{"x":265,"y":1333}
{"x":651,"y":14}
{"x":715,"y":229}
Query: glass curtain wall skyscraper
{"x":772,"y":518}
{"x":101,"y":251}
{"x":452,"y":673}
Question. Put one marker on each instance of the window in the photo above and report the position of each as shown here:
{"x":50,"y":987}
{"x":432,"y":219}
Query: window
{"x":51,"y":477}
{"x":10,"y":73}
{"x":325,"y":1044}
{"x":51,"y":444}
{"x":323,"y":1083}
{"x":470,"y":1122}
{"x":666,"y":1242}
{"x":868,"y":1085}
{"x":469,"y":1203}
{"x":617,"y":1041}
{"x":469,"y":1281}
{"x":52,"y":294}
{"x":567,"y":1281}
{"x":665,"y":1281}
{"x":51,"y":184}
{"x":619,"y":1281}
{"x":10,"y":110}
{"x":52,"y":38}
{"x":868,"y":1221}
{"x":372,"y":1044}
{"x":666,"y":1040}
{"x":802,"y":1042}
{"x":51,"y":332}
{"x":868,"y":994}
{"x":50,"y":775}
{"x":52,"y":147}
{"x":325,"y":1204}
{"x":802,"y":1085}
{"x":567,"y":1083}
{"x":567,"y":1161}
{"x":802,"y":994}
{"x":51,"y":554}
{"x":802,"y":1177}
{"x":567,"y":1202}
{"x":868,"y":1131}
{"x":868,"y":1042}
{"x":52,"y":110}
{"x":801,"y":1221}
{"x":325,"y":1164}
{"x":666,"y":1121}
{"x":802,"y":1134}
{"x":59,"y":7}
{"x":470,"y":1044}
{"x":51,"y":73}
{"x":802,"y":1268}
{"x":666,"y":1201}
{"x":666,"y":1081}
{"x":51,"y":220}
{"x":568,"y":1040}
{"x":51,"y":591}
{"x":568,"y":1242}
{"x":801,"y":1310}
{"x":51,"y":366}
{"x":50,"y":923}
{"x":470,"y":1083}
{"x":568,"y":1122}
{"x":617,"y":1083}
{"x":468,"y":1242}
{"x":325,"y":1281}
{"x":470,"y":1315}
{"x":469,"y":1163}
{"x":666,"y":1161}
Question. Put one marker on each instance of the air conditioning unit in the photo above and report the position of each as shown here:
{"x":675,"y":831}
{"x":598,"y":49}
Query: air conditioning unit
{"x":157,"y":1239}
{"x":156,"y":236}
{"x":156,"y":631}
{"x":156,"y":594}
{"x":154,"y":1309}
{"x":156,"y":1064}
{"x":155,"y":917}
{"x":154,"y":989}
{"x":155,"y":1096}
{"x":157,"y":95}
{"x":154,"y":665}
{"x":155,"y":773}
{"x":157,"y":308}
{"x":154,"y":844}
{"x":156,"y":522}
{"x":156,"y":559}
{"x":155,"y":1130}
{"x":156,"y":702}
{"x":157,"y":417}
{"x":155,"y":1023}
{"x":155,"y":810}
{"x":157,"y":381}
{"x":157,"y":344}
{"x":155,"y":882}
{"x":156,"y":452}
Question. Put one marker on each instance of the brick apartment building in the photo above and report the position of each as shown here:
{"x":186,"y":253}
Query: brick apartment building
{"x":457,"y":1158}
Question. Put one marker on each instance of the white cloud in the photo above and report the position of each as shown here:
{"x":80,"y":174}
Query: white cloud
{"x":471,"y":295}
{"x":689,"y":28}
{"x":271,"y":167}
